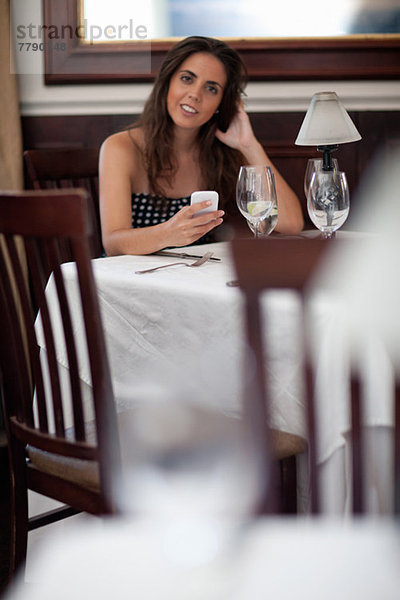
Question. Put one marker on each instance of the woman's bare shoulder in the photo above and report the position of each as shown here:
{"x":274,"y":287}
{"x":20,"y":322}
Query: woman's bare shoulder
{"x":123,"y":150}
{"x":130,"y":141}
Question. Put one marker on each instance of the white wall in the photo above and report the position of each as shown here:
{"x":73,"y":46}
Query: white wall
{"x":37,"y":99}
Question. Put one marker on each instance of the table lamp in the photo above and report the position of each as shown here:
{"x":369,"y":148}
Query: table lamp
{"x":326,"y":125}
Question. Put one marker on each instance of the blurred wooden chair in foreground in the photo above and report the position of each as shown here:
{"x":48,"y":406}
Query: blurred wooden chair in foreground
{"x":54,"y":448}
{"x":290,"y":264}
{"x":67,"y":168}
{"x":263,"y":264}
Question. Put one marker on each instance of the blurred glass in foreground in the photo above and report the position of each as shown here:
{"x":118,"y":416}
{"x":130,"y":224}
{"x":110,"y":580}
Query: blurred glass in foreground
{"x":191,"y":470}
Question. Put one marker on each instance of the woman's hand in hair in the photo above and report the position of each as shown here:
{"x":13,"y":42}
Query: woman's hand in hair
{"x":239,"y":134}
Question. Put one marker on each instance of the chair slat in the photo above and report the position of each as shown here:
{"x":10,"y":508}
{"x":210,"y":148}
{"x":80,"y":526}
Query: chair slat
{"x":18,"y":375}
{"x":79,"y":428}
{"x":102,"y":386}
{"x":357,"y":445}
{"x":310,"y":399}
{"x":22,"y":301}
{"x":51,"y":354}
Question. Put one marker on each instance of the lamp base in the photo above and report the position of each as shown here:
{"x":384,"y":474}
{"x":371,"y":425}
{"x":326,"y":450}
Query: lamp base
{"x":327,"y":164}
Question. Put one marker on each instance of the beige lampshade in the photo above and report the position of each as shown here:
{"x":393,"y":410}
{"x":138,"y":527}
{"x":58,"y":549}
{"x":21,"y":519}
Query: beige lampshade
{"x":326,"y":123}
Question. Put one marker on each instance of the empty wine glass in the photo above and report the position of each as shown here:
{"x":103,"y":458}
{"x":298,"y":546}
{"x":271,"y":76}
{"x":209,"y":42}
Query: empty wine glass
{"x":328,"y":201}
{"x":313,"y":165}
{"x":256,"y":198}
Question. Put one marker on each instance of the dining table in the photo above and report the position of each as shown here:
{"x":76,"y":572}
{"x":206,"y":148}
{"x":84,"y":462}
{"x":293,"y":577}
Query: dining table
{"x":180,"y":331}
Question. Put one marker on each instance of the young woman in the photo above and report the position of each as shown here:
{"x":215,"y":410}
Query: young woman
{"x":193,"y":135}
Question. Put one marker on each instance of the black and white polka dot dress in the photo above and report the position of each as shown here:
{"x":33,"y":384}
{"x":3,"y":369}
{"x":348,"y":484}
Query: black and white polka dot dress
{"x":150,"y":210}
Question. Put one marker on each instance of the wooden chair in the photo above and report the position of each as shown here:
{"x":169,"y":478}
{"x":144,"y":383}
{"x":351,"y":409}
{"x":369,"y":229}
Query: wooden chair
{"x":289,"y":264}
{"x":266,"y":264}
{"x":66,"y":168}
{"x":53,"y":449}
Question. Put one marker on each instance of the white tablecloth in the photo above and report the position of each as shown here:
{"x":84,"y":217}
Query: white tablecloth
{"x":180,"y":328}
{"x":187,"y":322}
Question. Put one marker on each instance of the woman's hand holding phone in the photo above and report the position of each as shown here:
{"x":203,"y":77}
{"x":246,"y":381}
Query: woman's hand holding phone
{"x":194,"y":221}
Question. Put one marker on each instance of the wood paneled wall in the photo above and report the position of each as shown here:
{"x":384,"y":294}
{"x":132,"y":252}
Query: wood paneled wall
{"x":380,"y":131}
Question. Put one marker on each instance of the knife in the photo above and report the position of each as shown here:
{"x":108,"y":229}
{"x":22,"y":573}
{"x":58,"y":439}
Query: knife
{"x":182,"y":255}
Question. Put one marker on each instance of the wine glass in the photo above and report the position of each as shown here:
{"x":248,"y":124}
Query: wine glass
{"x":256,"y":198}
{"x":328,"y":201}
{"x":313,"y":165}
{"x":266,"y":225}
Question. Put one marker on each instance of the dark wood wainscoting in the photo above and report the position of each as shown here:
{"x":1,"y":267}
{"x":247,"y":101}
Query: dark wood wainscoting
{"x":380,"y":130}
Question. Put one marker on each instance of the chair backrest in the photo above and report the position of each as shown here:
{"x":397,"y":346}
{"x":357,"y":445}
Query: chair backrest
{"x":291,"y":263}
{"x":41,"y":410}
{"x":66,"y":168}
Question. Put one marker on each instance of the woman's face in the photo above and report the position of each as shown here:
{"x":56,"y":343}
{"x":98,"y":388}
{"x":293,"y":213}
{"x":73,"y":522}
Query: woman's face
{"x":195,"y":90}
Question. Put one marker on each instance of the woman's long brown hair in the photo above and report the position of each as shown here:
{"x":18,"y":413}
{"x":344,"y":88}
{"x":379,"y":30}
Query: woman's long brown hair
{"x":219,"y":164}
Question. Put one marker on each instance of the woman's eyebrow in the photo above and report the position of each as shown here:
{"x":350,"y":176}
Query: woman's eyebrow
{"x":195,"y":77}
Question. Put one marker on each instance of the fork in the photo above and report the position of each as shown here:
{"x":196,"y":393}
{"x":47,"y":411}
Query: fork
{"x":196,"y":263}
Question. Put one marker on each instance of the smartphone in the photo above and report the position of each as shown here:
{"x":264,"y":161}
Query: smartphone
{"x":205,"y":195}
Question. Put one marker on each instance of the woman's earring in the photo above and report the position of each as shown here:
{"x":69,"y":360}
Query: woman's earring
{"x":217,"y":111}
